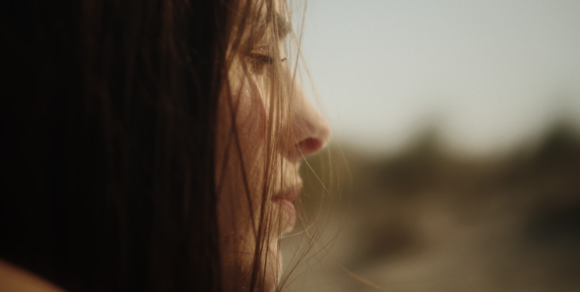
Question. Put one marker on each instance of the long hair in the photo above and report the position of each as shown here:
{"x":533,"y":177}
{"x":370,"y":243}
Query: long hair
{"x":108,"y":120}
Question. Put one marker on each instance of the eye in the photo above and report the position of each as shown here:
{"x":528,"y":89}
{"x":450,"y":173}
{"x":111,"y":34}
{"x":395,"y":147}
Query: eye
{"x":264,"y":59}
{"x":260,"y":62}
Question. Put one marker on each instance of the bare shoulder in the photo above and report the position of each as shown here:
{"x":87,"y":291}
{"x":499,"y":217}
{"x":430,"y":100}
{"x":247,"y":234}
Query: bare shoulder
{"x":15,"y":279}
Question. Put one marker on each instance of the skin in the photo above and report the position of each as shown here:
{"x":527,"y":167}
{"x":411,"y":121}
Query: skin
{"x":15,"y":279}
{"x":302,"y":131}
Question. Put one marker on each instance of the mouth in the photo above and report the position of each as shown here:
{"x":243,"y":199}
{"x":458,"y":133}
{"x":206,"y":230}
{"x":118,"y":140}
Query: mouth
{"x":284,"y":200}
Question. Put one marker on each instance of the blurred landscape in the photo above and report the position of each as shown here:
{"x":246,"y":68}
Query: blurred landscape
{"x":455,"y":164}
{"x":428,"y":220}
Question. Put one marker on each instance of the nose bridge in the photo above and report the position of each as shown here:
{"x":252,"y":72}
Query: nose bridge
{"x":310,"y":129}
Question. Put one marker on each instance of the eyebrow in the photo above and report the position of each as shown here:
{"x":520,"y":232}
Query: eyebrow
{"x":282,"y":25}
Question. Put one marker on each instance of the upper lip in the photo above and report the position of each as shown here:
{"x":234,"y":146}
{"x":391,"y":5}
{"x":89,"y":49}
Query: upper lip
{"x":289,"y":193}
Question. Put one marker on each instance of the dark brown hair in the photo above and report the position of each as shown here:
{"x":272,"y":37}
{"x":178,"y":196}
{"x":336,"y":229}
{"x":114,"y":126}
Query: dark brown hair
{"x":107,"y":125}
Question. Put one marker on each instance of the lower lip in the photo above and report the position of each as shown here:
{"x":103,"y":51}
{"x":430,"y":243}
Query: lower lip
{"x":287,"y":208}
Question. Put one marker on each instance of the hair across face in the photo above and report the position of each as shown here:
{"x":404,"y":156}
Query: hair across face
{"x":265,"y":127}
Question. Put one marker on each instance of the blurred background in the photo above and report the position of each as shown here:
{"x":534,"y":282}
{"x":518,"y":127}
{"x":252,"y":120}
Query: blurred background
{"x":455,"y":161}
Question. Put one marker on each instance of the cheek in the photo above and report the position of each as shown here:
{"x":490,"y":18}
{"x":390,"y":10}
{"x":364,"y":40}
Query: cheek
{"x":251,"y":117}
{"x":237,"y":241}
{"x":251,"y":124}
{"x":234,"y":207}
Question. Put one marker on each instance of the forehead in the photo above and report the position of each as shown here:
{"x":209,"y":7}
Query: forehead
{"x":271,"y":15}
{"x":281,"y":25}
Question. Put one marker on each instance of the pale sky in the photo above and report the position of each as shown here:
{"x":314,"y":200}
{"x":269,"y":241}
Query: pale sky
{"x":492,"y":73}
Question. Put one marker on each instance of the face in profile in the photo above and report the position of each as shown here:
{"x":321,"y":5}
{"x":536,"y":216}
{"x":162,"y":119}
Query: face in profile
{"x":266,"y":125}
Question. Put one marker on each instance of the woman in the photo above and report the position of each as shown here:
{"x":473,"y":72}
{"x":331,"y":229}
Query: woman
{"x":148,"y":145}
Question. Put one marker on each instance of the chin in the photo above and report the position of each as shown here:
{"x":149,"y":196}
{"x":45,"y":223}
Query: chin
{"x":273,"y":267}
{"x":237,"y":269}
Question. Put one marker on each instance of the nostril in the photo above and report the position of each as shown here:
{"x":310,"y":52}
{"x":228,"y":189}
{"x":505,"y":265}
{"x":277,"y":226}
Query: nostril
{"x":309,"y":146}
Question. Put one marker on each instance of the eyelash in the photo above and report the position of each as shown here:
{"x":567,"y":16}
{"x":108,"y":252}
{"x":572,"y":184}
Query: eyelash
{"x":260,"y":62}
{"x":265,"y":59}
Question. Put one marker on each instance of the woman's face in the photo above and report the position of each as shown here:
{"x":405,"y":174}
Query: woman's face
{"x":260,"y":142}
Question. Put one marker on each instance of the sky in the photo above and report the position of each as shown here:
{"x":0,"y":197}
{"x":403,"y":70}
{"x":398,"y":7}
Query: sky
{"x":488,"y":75}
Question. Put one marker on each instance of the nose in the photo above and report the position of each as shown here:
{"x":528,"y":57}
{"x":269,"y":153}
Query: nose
{"x":310,"y":130}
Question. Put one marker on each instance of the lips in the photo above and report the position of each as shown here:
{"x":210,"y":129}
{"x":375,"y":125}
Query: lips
{"x":289,"y":194}
{"x":284,"y":200}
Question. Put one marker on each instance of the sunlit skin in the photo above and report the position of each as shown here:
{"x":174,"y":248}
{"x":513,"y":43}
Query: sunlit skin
{"x":303,"y":131}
